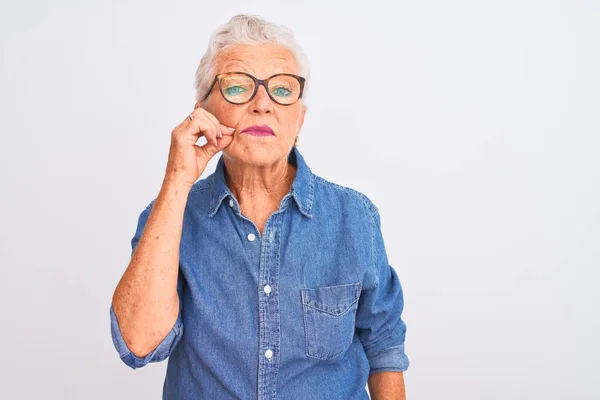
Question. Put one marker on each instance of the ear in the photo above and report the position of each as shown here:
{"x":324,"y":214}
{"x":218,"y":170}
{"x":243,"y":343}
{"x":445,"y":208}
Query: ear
{"x":196,"y":105}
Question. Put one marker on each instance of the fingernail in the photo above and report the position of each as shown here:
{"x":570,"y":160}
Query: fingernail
{"x":220,"y":133}
{"x":231,"y":129}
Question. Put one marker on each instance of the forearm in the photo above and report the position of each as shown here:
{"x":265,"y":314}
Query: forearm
{"x":145,"y":301}
{"x":387,"y":385}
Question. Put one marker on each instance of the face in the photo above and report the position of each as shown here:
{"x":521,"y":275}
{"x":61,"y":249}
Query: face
{"x":261,"y":61}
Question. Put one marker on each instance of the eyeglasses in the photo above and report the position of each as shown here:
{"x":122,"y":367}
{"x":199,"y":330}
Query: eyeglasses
{"x":241,"y":87}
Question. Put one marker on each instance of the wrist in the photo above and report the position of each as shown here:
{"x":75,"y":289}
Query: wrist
{"x":175,"y":189}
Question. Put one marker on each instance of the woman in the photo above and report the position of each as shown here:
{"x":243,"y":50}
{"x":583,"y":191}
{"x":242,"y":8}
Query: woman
{"x":262,"y":280}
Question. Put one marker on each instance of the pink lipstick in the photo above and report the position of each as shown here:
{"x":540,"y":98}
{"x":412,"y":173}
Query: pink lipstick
{"x":259,"y":130}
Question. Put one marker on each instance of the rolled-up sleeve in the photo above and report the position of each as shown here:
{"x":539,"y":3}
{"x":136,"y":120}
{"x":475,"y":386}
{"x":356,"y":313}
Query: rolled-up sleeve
{"x":166,"y":346}
{"x":161,"y":352}
{"x":379,"y":321}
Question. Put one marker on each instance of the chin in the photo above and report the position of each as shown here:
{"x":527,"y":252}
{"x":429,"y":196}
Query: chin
{"x":254,"y":153}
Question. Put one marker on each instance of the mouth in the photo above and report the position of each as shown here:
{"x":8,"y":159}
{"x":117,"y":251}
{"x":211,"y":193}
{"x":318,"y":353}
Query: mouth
{"x":259,"y":130}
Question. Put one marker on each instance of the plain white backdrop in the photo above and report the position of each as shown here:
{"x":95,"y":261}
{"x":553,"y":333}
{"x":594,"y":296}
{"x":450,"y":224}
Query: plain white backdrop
{"x":473,"y":126}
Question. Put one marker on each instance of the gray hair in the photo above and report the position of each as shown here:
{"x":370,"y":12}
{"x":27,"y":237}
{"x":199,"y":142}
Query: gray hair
{"x":247,"y":29}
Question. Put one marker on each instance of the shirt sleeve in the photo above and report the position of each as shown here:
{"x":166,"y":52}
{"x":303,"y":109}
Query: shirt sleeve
{"x":379,"y":321}
{"x":166,"y":346}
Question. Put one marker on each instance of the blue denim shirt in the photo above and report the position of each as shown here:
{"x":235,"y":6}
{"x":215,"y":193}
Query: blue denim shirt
{"x":304,"y":311}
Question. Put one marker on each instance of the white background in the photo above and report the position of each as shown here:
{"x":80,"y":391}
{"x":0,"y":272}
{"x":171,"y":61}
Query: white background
{"x":473,"y":126}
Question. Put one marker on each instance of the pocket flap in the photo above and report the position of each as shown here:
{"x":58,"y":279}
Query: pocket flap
{"x":332,"y":299}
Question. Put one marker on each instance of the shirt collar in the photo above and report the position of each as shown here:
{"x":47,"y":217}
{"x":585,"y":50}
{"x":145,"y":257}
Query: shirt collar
{"x":302,"y":187}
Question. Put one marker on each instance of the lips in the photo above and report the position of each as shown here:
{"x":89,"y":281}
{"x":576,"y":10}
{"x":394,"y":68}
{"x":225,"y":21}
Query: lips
{"x":259,"y":130}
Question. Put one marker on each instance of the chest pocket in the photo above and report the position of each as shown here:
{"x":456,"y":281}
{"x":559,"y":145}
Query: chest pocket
{"x":329,"y":319}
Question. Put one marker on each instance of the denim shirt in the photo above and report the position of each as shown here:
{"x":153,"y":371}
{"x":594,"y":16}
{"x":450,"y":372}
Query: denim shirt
{"x":307,"y":310}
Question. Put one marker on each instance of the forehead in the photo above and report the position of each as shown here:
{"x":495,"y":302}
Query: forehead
{"x":262,"y":60}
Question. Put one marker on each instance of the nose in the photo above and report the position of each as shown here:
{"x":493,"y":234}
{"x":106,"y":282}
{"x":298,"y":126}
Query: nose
{"x":261,"y":103}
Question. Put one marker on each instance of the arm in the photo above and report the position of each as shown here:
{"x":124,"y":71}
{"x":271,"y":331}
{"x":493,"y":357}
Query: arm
{"x":387,"y":385}
{"x":145,"y":309}
{"x":379,"y":322}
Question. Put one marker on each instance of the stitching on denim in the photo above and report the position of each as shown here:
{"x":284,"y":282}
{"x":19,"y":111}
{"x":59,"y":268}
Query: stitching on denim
{"x":197,"y":189}
{"x":383,"y":350}
{"x":372,"y":286}
{"x":278,"y":222}
{"x":373,"y":227}
{"x":124,"y":351}
{"x":311,"y":355}
{"x":330,"y":286}
{"x":305,"y":328}
{"x":219,"y":201}
{"x":311,"y":192}
{"x":177,"y":327}
{"x":201,"y":185}
{"x":204,"y":183}
{"x":118,"y":339}
{"x":350,"y":306}
{"x":306,"y":295}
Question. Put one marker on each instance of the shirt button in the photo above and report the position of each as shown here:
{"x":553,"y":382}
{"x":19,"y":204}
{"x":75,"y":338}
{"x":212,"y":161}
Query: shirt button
{"x":267,"y":289}
{"x":230,"y":203}
{"x":268,"y":354}
{"x":251,"y":237}
{"x":271,"y":236}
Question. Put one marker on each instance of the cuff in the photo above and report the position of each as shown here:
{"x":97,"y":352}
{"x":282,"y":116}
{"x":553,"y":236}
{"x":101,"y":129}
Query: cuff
{"x":162,"y":351}
{"x":390,"y":359}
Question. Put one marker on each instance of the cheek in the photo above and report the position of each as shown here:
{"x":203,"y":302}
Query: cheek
{"x":292,"y":121}
{"x":228,"y":114}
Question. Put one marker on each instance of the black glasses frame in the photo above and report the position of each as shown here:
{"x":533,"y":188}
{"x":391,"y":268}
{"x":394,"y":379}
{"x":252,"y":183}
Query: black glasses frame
{"x":257,"y":83}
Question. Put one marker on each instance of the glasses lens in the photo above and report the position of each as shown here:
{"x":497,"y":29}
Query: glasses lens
{"x":284,"y":89}
{"x":237,"y":88}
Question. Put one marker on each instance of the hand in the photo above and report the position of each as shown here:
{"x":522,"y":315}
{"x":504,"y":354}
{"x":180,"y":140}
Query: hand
{"x":187,"y":160}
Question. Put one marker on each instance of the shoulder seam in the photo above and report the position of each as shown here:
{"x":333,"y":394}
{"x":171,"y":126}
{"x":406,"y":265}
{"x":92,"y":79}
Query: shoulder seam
{"x":373,"y":253}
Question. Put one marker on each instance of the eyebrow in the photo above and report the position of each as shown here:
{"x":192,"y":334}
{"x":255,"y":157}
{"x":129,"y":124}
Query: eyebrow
{"x":241,"y":66}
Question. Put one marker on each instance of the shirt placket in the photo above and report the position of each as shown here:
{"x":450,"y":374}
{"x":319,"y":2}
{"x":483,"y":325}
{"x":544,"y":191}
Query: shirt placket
{"x":268,"y":299}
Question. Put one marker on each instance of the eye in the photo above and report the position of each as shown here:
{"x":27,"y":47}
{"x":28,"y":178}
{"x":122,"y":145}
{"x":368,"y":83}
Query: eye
{"x":233,"y":90}
{"x":281,"y":92}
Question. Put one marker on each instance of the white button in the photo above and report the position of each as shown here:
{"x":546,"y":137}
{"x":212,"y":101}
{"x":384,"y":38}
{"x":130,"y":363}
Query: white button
{"x":251,"y":237}
{"x":267,"y":289}
{"x":268,"y":353}
{"x":271,"y":236}
{"x":230,"y":203}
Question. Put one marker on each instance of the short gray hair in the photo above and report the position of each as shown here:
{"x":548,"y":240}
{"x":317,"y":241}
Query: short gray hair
{"x":247,"y":29}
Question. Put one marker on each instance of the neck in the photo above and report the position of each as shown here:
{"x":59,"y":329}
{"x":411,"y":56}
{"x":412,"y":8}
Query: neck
{"x":257,"y":184}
